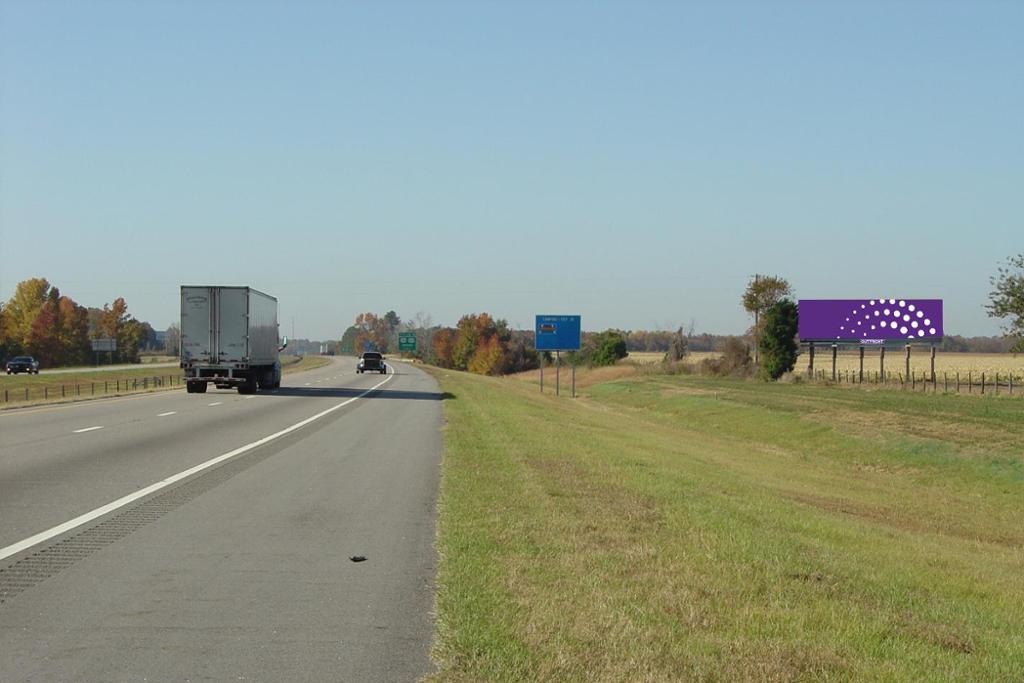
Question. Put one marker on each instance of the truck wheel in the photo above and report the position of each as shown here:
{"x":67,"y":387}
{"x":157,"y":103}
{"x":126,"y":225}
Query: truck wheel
{"x":201,"y":387}
{"x":250,"y":385}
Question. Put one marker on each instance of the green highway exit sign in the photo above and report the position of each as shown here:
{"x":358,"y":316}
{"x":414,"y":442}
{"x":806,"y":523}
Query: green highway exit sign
{"x":406,"y":341}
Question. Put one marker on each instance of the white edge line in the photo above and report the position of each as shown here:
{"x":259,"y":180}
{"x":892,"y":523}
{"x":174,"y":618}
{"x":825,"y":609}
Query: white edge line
{"x":43,"y":536}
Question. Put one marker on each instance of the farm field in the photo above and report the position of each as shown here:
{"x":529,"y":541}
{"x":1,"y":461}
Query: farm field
{"x":687,"y":528}
{"x":895,"y":361}
{"x":24,"y":390}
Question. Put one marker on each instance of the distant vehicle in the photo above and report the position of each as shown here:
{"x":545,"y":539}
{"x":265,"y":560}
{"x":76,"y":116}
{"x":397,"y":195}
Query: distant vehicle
{"x":229,"y":338}
{"x":23,"y":364}
{"x":371,"y":361}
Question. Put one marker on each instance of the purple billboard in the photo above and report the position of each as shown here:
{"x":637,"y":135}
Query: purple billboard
{"x":870,"y":321}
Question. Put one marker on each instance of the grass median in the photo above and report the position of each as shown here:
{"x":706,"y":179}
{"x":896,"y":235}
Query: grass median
{"x":679,"y":528}
{"x":88,"y":383}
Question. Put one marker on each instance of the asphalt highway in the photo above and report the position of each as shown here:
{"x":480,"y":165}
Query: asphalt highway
{"x":178,"y":536}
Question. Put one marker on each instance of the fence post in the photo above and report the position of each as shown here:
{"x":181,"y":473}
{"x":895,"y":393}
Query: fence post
{"x":970,"y":382}
{"x":46,"y":393}
{"x":62,"y":394}
{"x":997,"y":384}
{"x":945,"y":383}
{"x":983,"y":384}
{"x":92,"y":388}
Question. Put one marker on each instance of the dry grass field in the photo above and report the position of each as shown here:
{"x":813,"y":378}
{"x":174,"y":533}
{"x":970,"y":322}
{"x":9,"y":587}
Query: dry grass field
{"x":895,"y":361}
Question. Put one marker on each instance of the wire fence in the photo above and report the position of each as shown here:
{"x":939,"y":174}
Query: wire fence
{"x":54,"y":391}
{"x":983,"y":384}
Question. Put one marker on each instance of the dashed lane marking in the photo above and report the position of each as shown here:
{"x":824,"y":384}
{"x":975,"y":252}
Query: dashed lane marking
{"x":149,"y":490}
{"x":87,"y":429}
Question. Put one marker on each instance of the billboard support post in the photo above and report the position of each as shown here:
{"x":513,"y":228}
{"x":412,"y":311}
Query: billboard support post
{"x":861,"y":376}
{"x":933,"y":363}
{"x":881,"y":362}
{"x":907,"y":376}
{"x":558,"y":370}
{"x":810,"y":365}
{"x":541,"y":354}
{"x":835,"y":353}
{"x":574,"y":378}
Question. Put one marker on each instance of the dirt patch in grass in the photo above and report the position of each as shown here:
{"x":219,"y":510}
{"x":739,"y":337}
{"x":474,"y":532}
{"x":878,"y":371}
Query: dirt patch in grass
{"x":965,"y":434}
{"x":903,"y":520}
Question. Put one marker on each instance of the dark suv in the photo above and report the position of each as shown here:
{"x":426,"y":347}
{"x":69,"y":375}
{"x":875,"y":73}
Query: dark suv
{"x":23,"y":364}
{"x":371,"y":361}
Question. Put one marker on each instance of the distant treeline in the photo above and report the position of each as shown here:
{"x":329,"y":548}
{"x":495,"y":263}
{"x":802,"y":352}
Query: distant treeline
{"x":478,"y":343}
{"x":41,"y":322}
{"x":485,"y":345}
{"x":646,"y":341}
{"x":976,"y":344}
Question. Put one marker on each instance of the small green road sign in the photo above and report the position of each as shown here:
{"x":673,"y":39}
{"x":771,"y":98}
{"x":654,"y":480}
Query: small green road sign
{"x":406,"y":341}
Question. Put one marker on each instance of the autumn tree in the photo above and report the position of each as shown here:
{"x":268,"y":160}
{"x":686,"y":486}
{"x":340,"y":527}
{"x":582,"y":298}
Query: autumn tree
{"x":467,"y":336}
{"x":371,"y":333}
{"x":1007,"y":299}
{"x":43,"y":340}
{"x":74,"y":332}
{"x":442,"y":347}
{"x":7,"y":345}
{"x":115,"y":323}
{"x":763,"y":292}
{"x":23,"y":307}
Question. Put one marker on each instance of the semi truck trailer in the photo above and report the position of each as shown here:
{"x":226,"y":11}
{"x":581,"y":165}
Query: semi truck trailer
{"x":229,"y":338}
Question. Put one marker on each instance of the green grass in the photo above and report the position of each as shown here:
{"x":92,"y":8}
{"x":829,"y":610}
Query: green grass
{"x":680,"y":528}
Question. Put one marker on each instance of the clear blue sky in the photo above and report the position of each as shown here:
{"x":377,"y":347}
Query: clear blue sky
{"x":632,"y":162}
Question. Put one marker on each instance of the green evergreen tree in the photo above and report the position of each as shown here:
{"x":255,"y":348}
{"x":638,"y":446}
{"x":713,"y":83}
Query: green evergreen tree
{"x":777,"y":343}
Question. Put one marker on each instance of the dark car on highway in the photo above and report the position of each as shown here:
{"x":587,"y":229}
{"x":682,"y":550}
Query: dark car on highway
{"x":23,"y":364}
{"x":371,"y":361}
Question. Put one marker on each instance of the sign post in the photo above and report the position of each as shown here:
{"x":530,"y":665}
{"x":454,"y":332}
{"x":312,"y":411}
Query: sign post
{"x":557,"y":333}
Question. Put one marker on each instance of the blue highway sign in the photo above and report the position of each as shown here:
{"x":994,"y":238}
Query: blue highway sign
{"x":558,"y":332}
